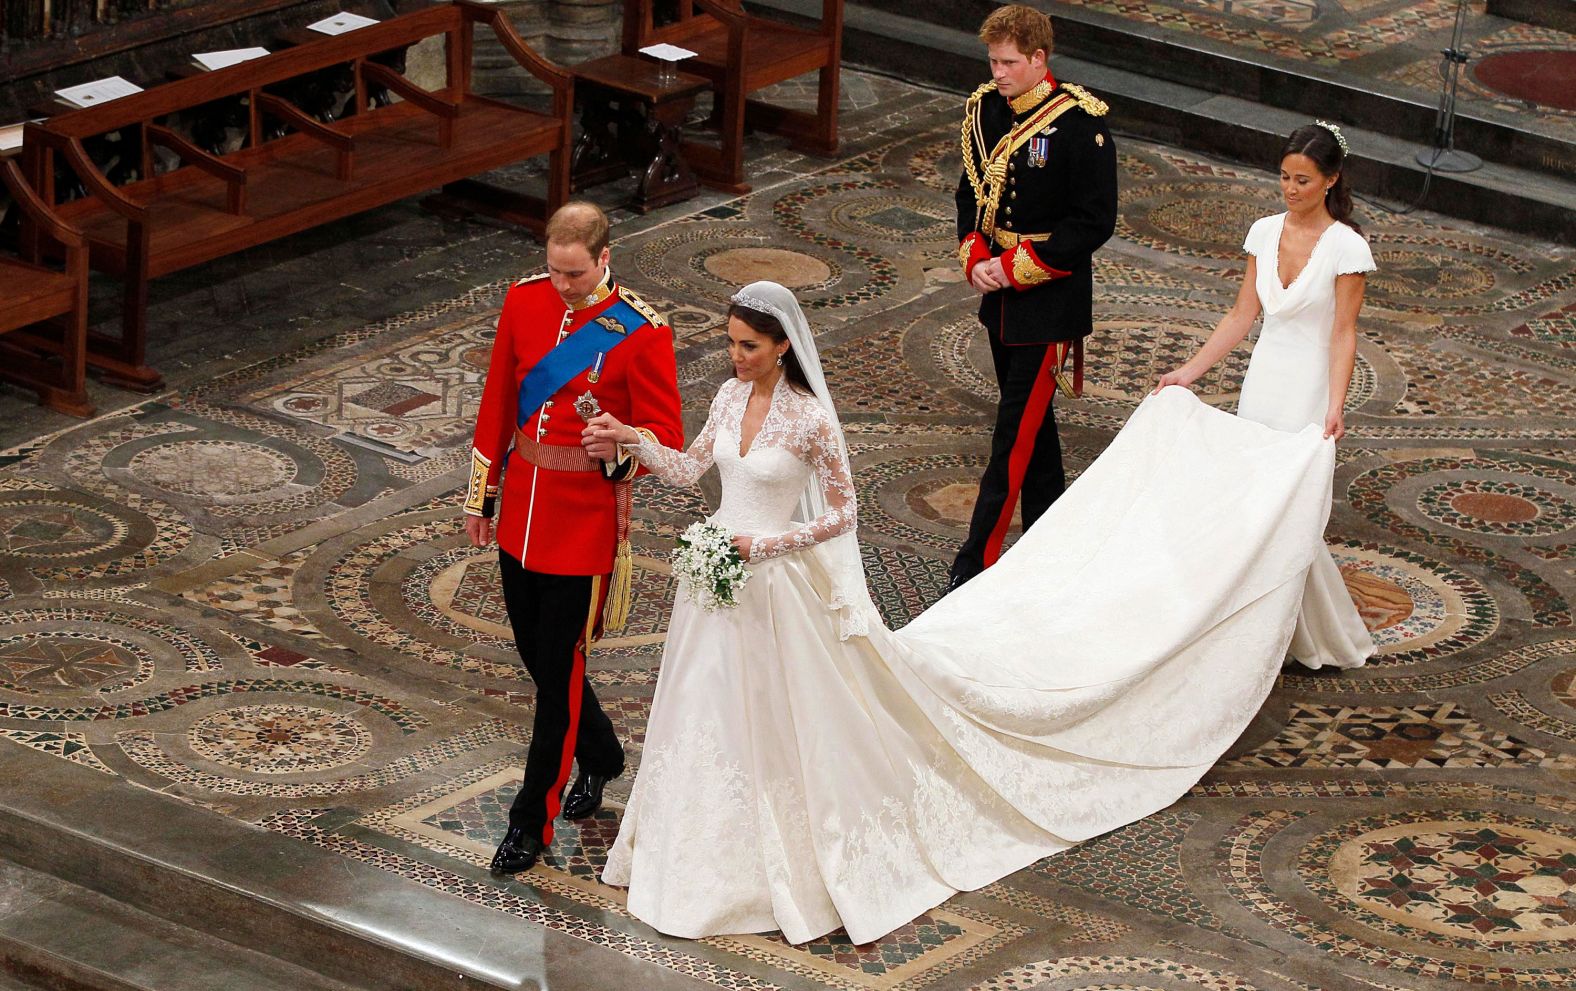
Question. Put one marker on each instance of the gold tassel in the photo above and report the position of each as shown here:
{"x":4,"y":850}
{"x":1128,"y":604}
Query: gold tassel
{"x":620,"y":590}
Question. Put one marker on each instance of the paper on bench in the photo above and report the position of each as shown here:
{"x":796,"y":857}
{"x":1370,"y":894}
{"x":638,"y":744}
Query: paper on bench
{"x":230,"y":56}
{"x":341,"y":23}
{"x":98,"y":91}
{"x":667,"y":52}
{"x":10,"y":136}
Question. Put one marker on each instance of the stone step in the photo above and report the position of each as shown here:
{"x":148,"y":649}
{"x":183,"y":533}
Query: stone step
{"x":56,"y":934}
{"x":1309,"y":89}
{"x":1381,"y":165}
{"x":282,"y":897}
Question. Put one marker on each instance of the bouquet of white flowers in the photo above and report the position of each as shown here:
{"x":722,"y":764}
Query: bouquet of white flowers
{"x":709,"y":566}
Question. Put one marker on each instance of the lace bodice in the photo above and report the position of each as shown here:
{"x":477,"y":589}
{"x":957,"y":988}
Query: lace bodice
{"x":761,"y":489}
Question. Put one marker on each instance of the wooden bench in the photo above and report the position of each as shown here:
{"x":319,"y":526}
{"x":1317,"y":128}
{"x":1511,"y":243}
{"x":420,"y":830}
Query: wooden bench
{"x":210,"y":206}
{"x":739,"y":54}
{"x":35,"y":294}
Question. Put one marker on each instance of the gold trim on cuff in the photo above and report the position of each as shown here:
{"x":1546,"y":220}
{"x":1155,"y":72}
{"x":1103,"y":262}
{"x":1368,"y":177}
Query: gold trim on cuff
{"x":1024,"y":270}
{"x":477,"y":491}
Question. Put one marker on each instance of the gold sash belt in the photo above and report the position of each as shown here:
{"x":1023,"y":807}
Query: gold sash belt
{"x":554,"y":457}
{"x":1008,"y":239}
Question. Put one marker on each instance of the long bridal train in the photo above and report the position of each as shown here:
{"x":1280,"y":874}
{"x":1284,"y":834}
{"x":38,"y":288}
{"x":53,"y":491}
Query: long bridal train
{"x":1087,"y":680}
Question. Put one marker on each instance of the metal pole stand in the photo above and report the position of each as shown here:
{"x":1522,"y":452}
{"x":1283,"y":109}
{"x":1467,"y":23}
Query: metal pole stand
{"x":1443,"y":156}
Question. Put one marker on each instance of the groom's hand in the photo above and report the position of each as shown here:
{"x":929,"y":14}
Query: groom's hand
{"x":598,"y":441}
{"x":479,"y":529}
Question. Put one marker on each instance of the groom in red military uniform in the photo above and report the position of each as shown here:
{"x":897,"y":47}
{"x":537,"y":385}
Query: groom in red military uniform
{"x":570,"y":343}
{"x":1037,"y":197}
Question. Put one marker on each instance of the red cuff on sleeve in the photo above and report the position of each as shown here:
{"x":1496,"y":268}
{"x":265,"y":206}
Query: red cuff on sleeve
{"x":971,"y":251}
{"x":1025,"y":270}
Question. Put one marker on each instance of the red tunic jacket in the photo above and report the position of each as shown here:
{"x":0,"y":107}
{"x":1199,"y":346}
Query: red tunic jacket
{"x":563,"y":522}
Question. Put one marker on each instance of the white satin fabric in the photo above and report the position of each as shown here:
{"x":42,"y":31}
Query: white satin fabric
{"x":1287,"y":387}
{"x":799,"y":781}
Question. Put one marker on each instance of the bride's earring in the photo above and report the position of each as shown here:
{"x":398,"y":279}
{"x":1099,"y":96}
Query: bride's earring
{"x":779,"y":361}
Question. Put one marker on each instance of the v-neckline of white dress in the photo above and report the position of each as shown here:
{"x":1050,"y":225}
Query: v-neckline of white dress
{"x":1280,"y":235}
{"x":744,"y":410}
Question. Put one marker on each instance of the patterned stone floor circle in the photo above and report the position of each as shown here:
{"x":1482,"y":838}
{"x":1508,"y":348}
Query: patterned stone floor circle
{"x":1413,"y":607}
{"x":212,"y":468}
{"x":1497,"y":506}
{"x":39,"y":528}
{"x":908,"y":219}
{"x":1126,"y":355}
{"x":961,"y":351}
{"x":1421,"y":274}
{"x":63,"y":664}
{"x":1112,"y":973}
{"x":1563,"y":686}
{"x":1200,"y":219}
{"x":465,"y":590}
{"x":1217,"y":218}
{"x":741,"y":266}
{"x":1472,"y":879}
{"x":280,"y":739}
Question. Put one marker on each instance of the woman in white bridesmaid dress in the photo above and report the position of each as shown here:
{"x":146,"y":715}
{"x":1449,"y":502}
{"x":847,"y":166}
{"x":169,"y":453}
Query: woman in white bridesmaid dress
{"x":807,"y":768}
{"x":1306,"y":271}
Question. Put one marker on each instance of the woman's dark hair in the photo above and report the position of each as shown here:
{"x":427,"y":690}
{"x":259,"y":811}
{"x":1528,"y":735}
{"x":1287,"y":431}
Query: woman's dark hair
{"x":768,"y":326}
{"x":1321,"y":146}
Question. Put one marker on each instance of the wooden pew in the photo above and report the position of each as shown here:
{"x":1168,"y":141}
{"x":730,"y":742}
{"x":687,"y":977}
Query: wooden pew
{"x":740,"y":53}
{"x":36,"y":294}
{"x":212,"y":205}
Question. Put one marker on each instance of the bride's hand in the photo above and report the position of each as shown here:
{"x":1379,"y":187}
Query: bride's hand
{"x":602,"y":435}
{"x":742,"y":544}
{"x":1335,"y":424}
{"x":1176,"y":377}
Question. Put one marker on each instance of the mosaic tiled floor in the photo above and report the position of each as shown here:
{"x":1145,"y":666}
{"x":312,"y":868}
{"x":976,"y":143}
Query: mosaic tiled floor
{"x":1389,"y":45}
{"x":255,"y":595}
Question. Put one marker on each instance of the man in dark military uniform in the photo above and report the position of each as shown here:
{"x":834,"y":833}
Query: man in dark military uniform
{"x":1037,"y":197}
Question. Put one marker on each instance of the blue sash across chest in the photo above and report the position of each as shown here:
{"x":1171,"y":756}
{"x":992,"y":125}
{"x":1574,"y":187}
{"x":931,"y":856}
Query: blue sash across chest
{"x":575,"y":353}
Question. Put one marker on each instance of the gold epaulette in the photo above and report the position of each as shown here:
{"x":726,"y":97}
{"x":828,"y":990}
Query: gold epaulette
{"x":641,"y":306}
{"x":1091,"y":104}
{"x":531,"y":278}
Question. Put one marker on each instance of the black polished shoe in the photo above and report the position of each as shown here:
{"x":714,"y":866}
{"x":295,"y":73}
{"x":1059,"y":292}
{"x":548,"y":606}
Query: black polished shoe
{"x":585,"y":797}
{"x":516,"y":854}
{"x":955,"y":581}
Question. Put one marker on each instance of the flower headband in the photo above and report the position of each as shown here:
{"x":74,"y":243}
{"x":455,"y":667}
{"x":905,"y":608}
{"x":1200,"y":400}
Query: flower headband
{"x":1340,"y":138}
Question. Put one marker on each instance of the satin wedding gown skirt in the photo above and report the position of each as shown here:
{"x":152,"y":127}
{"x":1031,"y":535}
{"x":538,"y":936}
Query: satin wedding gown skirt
{"x":797,"y":781}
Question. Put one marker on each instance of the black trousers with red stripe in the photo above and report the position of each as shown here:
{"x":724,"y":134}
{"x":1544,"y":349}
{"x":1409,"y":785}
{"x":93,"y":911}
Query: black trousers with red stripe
{"x":1025,"y":453}
{"x":548,"y":615}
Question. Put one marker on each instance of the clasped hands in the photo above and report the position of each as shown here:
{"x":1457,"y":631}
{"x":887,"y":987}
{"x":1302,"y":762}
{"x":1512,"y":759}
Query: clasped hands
{"x":603,"y":434}
{"x":988,"y":275}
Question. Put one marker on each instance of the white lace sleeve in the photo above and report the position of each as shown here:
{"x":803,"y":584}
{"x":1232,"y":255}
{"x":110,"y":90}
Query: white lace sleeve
{"x":683,"y":467}
{"x":821,"y":451}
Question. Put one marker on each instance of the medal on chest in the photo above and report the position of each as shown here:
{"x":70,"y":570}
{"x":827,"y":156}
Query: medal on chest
{"x":1039,"y":151}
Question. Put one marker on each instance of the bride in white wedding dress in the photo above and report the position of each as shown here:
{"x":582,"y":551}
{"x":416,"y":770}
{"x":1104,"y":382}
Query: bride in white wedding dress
{"x":806,"y":768}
